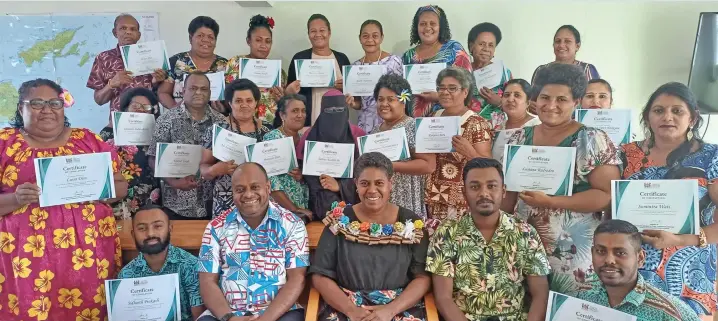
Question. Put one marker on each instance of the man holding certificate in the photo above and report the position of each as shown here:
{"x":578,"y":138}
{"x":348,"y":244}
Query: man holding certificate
{"x":617,"y":255}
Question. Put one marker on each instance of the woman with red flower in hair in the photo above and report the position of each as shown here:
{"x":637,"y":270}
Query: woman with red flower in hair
{"x":259,"y":40}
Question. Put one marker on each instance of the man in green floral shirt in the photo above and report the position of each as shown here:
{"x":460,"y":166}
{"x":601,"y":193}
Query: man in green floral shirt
{"x":617,"y":255}
{"x":482,"y":262}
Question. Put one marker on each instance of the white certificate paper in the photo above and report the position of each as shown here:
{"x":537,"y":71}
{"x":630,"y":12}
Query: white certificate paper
{"x":227,"y":145}
{"x":316,"y":72}
{"x":145,"y":57}
{"x":134,"y":129}
{"x":433,"y":134}
{"x":562,"y":307}
{"x":335,"y":160}
{"x":276,"y":156}
{"x":615,"y":122}
{"x":360,"y":80}
{"x":392,"y":143}
{"x":216,"y":84}
{"x":502,"y":137}
{"x":74,"y":178}
{"x":155,"y":298}
{"x":539,"y":168}
{"x":422,"y":77}
{"x":177,"y":160}
{"x":489,"y":76}
{"x":265,"y":73}
{"x":668,"y":205}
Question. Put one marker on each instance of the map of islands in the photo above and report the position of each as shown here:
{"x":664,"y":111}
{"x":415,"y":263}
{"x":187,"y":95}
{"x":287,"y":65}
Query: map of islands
{"x":54,"y":47}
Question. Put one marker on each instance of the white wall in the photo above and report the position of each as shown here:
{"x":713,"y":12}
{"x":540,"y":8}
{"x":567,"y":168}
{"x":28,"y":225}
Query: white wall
{"x":637,"y":46}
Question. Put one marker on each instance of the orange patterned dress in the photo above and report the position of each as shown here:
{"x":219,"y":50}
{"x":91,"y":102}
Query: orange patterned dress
{"x":54,"y":260}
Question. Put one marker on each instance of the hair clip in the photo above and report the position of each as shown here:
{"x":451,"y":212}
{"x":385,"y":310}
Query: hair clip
{"x":270,"y":22}
{"x":404,"y":96}
{"x":432,"y":8}
{"x":67,"y":98}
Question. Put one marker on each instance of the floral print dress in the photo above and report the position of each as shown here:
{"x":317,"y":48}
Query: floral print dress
{"x":298,"y":192}
{"x":267,"y":105}
{"x":54,"y":260}
{"x":181,"y":65}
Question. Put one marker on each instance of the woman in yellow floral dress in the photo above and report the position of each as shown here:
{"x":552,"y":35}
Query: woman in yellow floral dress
{"x":53,"y":260}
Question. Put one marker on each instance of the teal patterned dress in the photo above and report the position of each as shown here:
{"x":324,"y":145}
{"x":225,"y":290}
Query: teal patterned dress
{"x":298,"y":192}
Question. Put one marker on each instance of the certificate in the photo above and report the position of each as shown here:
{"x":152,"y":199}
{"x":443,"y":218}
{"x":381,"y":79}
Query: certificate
{"x":276,"y":156}
{"x":422,"y":77}
{"x":392,"y":143}
{"x":668,"y":205}
{"x":615,"y":122}
{"x":177,"y":160}
{"x":264,"y":73}
{"x":227,"y":145}
{"x":154,"y":298}
{"x":489,"y":76}
{"x":361,"y":80}
{"x":562,"y":307}
{"x":144,"y":58}
{"x":335,"y":160}
{"x":316,"y":72}
{"x":502,"y":137}
{"x":433,"y":134}
{"x":216,"y":84}
{"x":133,"y":129}
{"x":539,"y":168}
{"x":74,"y":178}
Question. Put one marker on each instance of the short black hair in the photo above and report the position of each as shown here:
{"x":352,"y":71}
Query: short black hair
{"x":525,"y":86}
{"x":240,"y":85}
{"x":149,"y":207}
{"x":373,"y":160}
{"x":194,"y":73}
{"x":484,"y":27}
{"x":572,"y":29}
{"x":372,"y":22}
{"x":397,"y":84}
{"x":621,"y":227}
{"x":203,"y":21}
{"x":258,"y":21}
{"x":481,"y":162}
{"x":282,"y":107}
{"x":561,"y":74}
{"x":261,"y":168}
{"x":24,"y":90}
{"x":321,"y":17}
{"x":603,"y":82}
{"x":444,"y":30}
{"x":125,"y":15}
{"x":126,"y":97}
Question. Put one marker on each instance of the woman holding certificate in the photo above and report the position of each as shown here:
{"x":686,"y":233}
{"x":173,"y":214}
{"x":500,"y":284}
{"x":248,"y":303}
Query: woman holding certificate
{"x":514,"y":114}
{"x":599,"y":95}
{"x":445,"y":184}
{"x":55,"y":252}
{"x":682,"y":265}
{"x":431,"y":34}
{"x":259,"y":40}
{"x":243,"y":95}
{"x":566,"y":220}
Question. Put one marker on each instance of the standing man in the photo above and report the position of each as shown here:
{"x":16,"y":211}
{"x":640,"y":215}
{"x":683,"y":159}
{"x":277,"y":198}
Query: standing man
{"x":253,"y":258}
{"x":151,"y":230}
{"x":186,"y":124}
{"x":481,"y":261}
{"x":108,"y":77}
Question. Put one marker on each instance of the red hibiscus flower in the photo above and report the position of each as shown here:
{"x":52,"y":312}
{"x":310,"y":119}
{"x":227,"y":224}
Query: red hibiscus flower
{"x":270,"y":21}
{"x":261,"y":110}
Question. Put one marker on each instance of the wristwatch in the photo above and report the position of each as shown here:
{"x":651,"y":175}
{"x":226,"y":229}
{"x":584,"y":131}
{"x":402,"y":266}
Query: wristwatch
{"x":226,"y":317}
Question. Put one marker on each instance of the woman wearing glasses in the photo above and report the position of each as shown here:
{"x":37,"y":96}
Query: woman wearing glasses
{"x":143,"y":188}
{"x":60,"y":251}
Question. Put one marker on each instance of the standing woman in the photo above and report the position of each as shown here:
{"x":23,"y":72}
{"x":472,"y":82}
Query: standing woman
{"x":682,"y":265}
{"x":54,"y":260}
{"x":259,"y":40}
{"x":243,"y":96}
{"x":566,"y":43}
{"x":203,"y":32}
{"x":483,"y":40}
{"x":319,"y":31}
{"x":371,"y":35}
{"x":599,"y":95}
{"x":445,"y":184}
{"x":514,"y":114}
{"x":431,"y":34}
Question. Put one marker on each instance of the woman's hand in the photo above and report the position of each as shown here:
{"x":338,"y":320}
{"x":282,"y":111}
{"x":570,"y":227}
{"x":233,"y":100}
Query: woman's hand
{"x":293,"y":88}
{"x":660,"y":239}
{"x":276,"y":92}
{"x":158,"y":76}
{"x":358,"y":314}
{"x":532,"y":107}
{"x":430,"y":96}
{"x":379,"y":313}
{"x":536,"y":199}
{"x":218,"y":106}
{"x":351,"y":102}
{"x":463,"y":146}
{"x":339,"y":84}
{"x":304,"y":214}
{"x":184,"y":184}
{"x":223,"y":168}
{"x":490,"y":96}
{"x":329,"y":183}
{"x":27,"y":193}
{"x":296,"y":174}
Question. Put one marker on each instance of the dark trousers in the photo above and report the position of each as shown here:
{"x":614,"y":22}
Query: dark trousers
{"x":294,"y":315}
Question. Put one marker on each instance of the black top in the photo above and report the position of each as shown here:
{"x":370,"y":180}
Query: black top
{"x":342,"y":60}
{"x":362,"y":267}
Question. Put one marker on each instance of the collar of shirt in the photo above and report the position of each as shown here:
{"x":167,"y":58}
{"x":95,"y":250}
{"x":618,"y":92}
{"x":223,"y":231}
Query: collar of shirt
{"x":273,"y":213}
{"x":635,"y":297}
{"x":172,"y":257}
{"x":188,"y":115}
{"x":506,"y":223}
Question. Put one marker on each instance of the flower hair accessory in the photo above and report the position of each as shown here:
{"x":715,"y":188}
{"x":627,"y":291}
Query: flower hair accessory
{"x":270,"y":22}
{"x":404,"y":96}
{"x":67,"y":98}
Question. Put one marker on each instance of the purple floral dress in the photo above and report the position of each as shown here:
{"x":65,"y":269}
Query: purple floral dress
{"x":368,"y":118}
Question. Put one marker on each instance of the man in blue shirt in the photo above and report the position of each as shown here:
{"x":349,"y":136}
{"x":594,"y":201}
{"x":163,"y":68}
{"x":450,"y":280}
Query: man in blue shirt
{"x":151,"y":230}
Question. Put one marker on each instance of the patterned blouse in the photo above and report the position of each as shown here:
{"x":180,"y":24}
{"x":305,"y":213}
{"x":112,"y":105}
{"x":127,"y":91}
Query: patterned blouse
{"x":588,"y":69}
{"x":298,"y":192}
{"x":568,"y":235}
{"x":107,"y":64}
{"x":267,"y":105}
{"x":368,"y":118}
{"x":494,"y":114}
{"x":181,"y":64}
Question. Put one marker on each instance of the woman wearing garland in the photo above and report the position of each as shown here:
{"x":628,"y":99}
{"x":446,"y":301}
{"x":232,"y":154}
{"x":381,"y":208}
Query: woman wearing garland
{"x":361,"y":239}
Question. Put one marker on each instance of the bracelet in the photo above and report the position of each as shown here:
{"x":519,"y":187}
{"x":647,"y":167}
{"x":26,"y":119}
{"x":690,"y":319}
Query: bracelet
{"x":702,"y":239}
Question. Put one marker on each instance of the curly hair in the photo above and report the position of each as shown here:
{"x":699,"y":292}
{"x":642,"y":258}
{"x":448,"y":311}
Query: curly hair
{"x":561,"y":74}
{"x":256,"y":22}
{"x":239,"y":85}
{"x":444,"y":30}
{"x":126,"y":97}
{"x":481,"y":28}
{"x":463,"y":76}
{"x":397,"y":84}
{"x":203,"y":21}
{"x":24,"y":91}
{"x":373,"y":160}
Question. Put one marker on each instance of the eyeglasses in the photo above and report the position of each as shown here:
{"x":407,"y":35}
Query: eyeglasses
{"x":450,"y":89}
{"x":40,"y":104}
{"x":145,"y":107}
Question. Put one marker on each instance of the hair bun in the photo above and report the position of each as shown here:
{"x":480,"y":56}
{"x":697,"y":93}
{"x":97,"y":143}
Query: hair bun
{"x":261,"y":21}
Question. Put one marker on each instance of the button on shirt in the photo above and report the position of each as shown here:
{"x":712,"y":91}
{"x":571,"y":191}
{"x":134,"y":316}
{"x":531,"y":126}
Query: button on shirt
{"x":178,"y":261}
{"x":177,"y":126}
{"x":253,"y":263}
{"x":107,"y":64}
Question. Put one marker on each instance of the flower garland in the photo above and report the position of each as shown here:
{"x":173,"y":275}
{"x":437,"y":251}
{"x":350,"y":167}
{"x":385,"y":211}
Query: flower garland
{"x":372,"y":233}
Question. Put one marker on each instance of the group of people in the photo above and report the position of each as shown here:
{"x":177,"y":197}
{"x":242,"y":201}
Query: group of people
{"x":396,"y":230}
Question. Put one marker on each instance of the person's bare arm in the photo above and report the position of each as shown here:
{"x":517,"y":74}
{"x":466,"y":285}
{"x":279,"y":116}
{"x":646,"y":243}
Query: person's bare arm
{"x":284,"y":201}
{"x":420,"y":164}
{"x":205,"y":165}
{"x":413,"y":293}
{"x":483,"y":149}
{"x":287,"y":295}
{"x":104,"y":95}
{"x":336,"y":298}
{"x":212,"y":295}
{"x":164,"y":94}
{"x":538,"y":287}
{"x":197,"y":311}
{"x":509,"y":203}
{"x":595,"y":199}
{"x":444,"y":297}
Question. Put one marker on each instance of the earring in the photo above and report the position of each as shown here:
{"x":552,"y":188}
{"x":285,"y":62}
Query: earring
{"x":689,"y":135}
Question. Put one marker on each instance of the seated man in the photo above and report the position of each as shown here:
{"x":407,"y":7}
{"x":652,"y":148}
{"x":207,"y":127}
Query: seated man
{"x":151,"y":230}
{"x":617,"y":255}
{"x":480,"y":262}
{"x":254,"y":258}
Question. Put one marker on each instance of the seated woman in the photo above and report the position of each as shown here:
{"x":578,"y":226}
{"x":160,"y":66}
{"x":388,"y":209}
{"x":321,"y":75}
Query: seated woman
{"x":371,"y":256}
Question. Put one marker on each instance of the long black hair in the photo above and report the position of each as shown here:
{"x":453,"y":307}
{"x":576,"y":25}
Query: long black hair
{"x":24,"y":91}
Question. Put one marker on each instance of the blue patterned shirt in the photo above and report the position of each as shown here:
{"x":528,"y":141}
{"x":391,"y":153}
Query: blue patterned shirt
{"x":178,"y":261}
{"x":253,"y":263}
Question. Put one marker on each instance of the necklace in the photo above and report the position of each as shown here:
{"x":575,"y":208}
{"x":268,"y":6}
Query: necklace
{"x":377,"y":59}
{"x":235,"y":123}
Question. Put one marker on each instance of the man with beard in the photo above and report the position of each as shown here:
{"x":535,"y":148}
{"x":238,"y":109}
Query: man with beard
{"x":254,"y":258}
{"x":481,"y":262}
{"x":151,"y":230}
{"x":617,"y":255}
